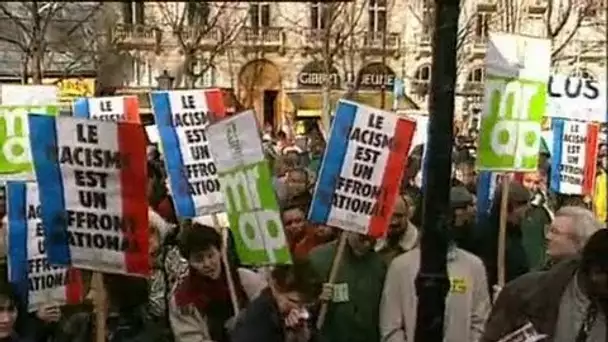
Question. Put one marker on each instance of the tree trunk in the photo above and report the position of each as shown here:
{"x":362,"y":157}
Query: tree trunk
{"x":25,"y":69}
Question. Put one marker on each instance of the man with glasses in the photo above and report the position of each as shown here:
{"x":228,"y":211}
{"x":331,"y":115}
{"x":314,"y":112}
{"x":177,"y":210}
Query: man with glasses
{"x":569,"y":232}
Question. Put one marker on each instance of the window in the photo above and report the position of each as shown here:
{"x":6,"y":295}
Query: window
{"x":476,"y":75}
{"x":482,"y":24}
{"x":423,"y":74}
{"x":319,"y":15}
{"x":377,"y":15}
{"x":427,"y":18}
{"x":205,"y":79}
{"x":142,"y":73}
{"x":133,"y":12}
{"x":259,"y":15}
{"x":197,"y":13}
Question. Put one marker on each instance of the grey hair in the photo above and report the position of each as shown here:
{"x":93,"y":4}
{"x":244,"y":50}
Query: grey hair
{"x":584,"y":222}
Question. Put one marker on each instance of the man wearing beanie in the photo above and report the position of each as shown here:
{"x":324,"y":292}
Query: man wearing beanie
{"x":463,"y":231}
{"x":566,"y":303}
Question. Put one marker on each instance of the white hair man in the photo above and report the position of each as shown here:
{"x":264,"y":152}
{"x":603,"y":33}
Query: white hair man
{"x":569,"y":232}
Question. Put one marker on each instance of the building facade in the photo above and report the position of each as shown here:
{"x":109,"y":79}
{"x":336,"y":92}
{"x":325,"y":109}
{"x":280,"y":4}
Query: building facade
{"x":284,"y":59}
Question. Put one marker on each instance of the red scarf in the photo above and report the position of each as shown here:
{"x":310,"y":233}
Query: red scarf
{"x":200,"y":291}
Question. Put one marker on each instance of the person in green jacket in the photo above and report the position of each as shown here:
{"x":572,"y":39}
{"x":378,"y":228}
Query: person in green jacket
{"x":354,"y":308}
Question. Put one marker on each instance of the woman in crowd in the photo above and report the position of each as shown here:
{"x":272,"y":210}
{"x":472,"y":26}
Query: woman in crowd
{"x":280,"y":313}
{"x":201,"y":308}
{"x":9,"y":315}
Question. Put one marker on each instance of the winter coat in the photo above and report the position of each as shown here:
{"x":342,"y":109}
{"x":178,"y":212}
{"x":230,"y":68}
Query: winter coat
{"x":516,"y":260}
{"x":354,"y":317}
{"x":262,"y":321}
{"x":533,"y":232}
{"x":533,"y":298}
{"x":467,"y":304}
{"x":120,"y":327}
{"x":190,"y":326}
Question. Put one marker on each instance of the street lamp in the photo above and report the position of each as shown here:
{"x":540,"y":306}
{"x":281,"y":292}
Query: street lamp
{"x":165,"y":81}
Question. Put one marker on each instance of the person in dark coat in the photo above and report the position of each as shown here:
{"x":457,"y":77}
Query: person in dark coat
{"x":516,"y":262}
{"x":280,"y":313}
{"x":569,"y":302}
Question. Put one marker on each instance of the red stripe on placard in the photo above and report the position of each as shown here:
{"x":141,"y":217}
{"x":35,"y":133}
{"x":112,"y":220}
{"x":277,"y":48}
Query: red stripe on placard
{"x":132,"y":109}
{"x":393,"y":172}
{"x":133,"y":184}
{"x":590,"y":158}
{"x":215,"y":104}
{"x":74,"y":289}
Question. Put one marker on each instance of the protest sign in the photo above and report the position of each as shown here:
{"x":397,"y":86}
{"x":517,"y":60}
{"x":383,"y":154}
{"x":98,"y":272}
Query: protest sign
{"x":577,"y":98}
{"x":15,"y":156}
{"x":182,"y":117}
{"x":517,"y":70}
{"x":28,"y":95}
{"x":574,"y":158}
{"x":362,"y":169}
{"x":92,"y":183}
{"x":110,"y":108}
{"x":35,"y":279}
{"x":246,"y":182}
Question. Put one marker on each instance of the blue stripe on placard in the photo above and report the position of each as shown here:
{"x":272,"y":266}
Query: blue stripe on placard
{"x":17,"y":238}
{"x":484,"y":194}
{"x":43,"y":140}
{"x":174,"y":162}
{"x":557,"y":126}
{"x":333,"y":160}
{"x":81,"y":108}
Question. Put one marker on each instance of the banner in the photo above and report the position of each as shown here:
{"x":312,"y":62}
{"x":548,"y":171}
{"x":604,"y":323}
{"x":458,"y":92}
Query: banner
{"x":362,"y":169}
{"x":486,"y":186}
{"x":110,"y":108}
{"x":246,"y":182}
{"x":574,"y":158}
{"x":517,"y":69}
{"x":15,"y":156}
{"x":28,"y":95}
{"x":577,"y":98}
{"x":181,"y":118}
{"x":35,"y":279}
{"x":92,"y":182}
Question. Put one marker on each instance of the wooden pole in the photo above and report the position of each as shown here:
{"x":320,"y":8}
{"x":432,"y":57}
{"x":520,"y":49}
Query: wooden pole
{"x":100,"y":303}
{"x":231,"y":288}
{"x":502,"y":233}
{"x":333,"y":274}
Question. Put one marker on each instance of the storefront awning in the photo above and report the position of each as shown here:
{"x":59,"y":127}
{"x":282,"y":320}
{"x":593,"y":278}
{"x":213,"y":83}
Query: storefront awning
{"x":309,"y":104}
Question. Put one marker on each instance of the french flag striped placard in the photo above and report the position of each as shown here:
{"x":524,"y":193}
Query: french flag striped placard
{"x":362,"y":168}
{"x":109,"y":108}
{"x":574,"y":158}
{"x":182,"y":117}
{"x":92,"y":183}
{"x":37,"y":282}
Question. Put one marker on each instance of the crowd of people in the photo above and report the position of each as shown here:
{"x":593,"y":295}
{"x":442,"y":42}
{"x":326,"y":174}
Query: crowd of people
{"x":556,"y":268}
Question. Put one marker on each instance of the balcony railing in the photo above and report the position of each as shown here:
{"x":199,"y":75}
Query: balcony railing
{"x":136,"y":36}
{"x":477,"y":47}
{"x":200,"y":36}
{"x":376,"y":41}
{"x":263,"y":37}
{"x":316,"y":38}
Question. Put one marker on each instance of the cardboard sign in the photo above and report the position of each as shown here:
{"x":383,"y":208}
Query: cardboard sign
{"x":574,"y":158}
{"x":92,"y":182}
{"x":182,"y":117}
{"x":246,"y":181}
{"x":576,"y":98}
{"x":35,"y":279}
{"x":111,"y":108}
{"x":28,"y":95}
{"x":362,"y":169}
{"x":15,"y":156}
{"x":517,"y":70}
